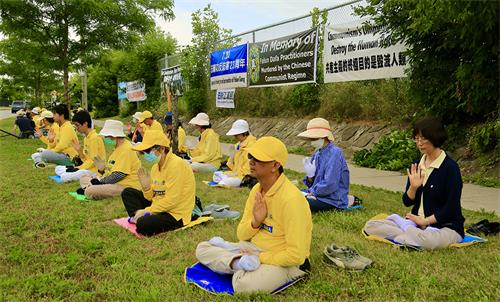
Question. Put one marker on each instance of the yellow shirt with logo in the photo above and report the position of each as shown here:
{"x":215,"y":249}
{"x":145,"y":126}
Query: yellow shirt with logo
{"x":93,"y":146}
{"x":64,"y":140}
{"x":239,"y":163}
{"x":55,"y":128}
{"x":125,"y":160}
{"x":285,"y":234}
{"x":208,"y":149}
{"x":172,"y":188}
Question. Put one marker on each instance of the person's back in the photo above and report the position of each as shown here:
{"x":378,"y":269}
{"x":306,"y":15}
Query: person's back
{"x":25,"y":126}
{"x":125,"y":160}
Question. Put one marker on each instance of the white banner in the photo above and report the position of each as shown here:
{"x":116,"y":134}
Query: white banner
{"x":224,"y":98}
{"x":353,"y":52}
{"x":136,"y":91}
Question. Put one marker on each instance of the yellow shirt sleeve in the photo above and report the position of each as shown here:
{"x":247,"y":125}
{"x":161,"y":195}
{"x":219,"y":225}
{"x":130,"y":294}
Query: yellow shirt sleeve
{"x":245,"y":230}
{"x":209,"y":152}
{"x":181,"y":137}
{"x":66,"y":135}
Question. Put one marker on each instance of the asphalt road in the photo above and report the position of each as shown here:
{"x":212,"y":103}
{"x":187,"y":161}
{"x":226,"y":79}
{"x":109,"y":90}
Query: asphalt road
{"x":5,"y":113}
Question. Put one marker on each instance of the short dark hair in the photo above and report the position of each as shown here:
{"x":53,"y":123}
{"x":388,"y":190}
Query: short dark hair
{"x":62,"y":109}
{"x":81,"y":117}
{"x":50,"y":119}
{"x":206,"y":126}
{"x":281,"y":170}
{"x":431,"y":129}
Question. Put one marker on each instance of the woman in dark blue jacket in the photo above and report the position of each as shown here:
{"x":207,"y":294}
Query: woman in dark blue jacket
{"x":433,"y":191}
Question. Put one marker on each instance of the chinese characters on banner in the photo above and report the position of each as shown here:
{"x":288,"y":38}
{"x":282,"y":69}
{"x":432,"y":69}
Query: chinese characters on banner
{"x":136,"y":91}
{"x":228,"y":67}
{"x":284,"y":61}
{"x":224,"y":98}
{"x":354,"y":52}
{"x":172,"y":77}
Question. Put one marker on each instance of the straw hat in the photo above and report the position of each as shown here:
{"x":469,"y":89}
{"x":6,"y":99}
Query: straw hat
{"x":238,"y":127}
{"x":317,"y":128}
{"x":201,"y":119}
{"x":112,"y":128}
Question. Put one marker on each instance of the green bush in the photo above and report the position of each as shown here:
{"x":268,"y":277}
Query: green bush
{"x":485,"y":137}
{"x":305,"y":98}
{"x":395,"y":152}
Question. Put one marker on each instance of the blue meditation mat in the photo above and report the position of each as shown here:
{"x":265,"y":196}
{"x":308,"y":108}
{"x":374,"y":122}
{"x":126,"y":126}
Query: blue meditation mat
{"x":56,"y":178}
{"x":208,"y":280}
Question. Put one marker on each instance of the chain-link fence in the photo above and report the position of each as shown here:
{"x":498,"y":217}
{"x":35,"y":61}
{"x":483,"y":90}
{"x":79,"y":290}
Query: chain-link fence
{"x":339,"y":14}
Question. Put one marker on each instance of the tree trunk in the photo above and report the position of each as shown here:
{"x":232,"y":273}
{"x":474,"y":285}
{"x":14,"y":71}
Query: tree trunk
{"x":66,"y":82}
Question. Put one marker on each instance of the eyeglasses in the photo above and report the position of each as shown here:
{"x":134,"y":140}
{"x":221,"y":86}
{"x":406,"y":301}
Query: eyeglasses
{"x":420,"y":140}
{"x":250,"y":157}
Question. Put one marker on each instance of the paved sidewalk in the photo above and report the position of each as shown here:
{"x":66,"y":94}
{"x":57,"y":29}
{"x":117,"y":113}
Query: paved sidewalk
{"x":474,"y":197}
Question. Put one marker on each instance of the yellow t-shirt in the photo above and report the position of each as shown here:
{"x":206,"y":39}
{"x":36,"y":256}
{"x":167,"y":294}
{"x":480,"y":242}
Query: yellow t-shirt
{"x":154,"y":126}
{"x":93,"y":146}
{"x":64,"y":140}
{"x":239,"y":163}
{"x":125,"y":160}
{"x":208,"y":149}
{"x":55,"y":128}
{"x":172,"y":188}
{"x":181,"y":137}
{"x":285,"y":235}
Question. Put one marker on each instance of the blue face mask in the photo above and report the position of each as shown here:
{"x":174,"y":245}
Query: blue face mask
{"x":109,"y":141}
{"x":151,"y":157}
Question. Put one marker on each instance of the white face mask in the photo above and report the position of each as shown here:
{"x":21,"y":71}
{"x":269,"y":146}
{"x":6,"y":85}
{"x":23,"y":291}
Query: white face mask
{"x":317,"y":143}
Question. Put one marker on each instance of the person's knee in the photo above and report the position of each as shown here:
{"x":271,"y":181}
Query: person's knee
{"x":92,"y":192}
{"x":202,"y":248}
{"x":243,"y":282}
{"x":146,"y":227}
{"x":372,"y":226}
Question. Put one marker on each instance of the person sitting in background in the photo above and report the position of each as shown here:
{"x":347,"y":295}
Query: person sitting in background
{"x":167,"y":198}
{"x":182,"y":149}
{"x":238,"y":163}
{"x":49,"y":126}
{"x":135,"y":135}
{"x":63,"y":152}
{"x":147,"y":122}
{"x":93,"y":146}
{"x":119,"y":172}
{"x":206,"y":156}
{"x":327,"y":174}
{"x":35,"y":116}
{"x":433,"y":190}
{"x":25,"y":125}
{"x":275,"y":230}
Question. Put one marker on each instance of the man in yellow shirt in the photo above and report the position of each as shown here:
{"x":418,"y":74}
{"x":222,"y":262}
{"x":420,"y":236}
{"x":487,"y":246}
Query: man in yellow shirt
{"x":93,"y":146}
{"x":238,"y":163}
{"x":62,"y":151}
{"x":168,"y":193}
{"x":274,"y":232}
{"x":207,"y":155}
{"x":119,"y":172}
{"x":147,"y":122}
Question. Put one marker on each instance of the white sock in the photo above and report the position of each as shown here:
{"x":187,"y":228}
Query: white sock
{"x":247,"y":263}
{"x":218,"y":241}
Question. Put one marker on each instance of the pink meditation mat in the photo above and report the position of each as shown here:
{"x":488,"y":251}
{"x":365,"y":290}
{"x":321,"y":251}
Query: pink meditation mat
{"x":123,"y":222}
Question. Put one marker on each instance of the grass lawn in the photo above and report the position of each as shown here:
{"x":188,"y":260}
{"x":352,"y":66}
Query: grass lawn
{"x":55,"y":248}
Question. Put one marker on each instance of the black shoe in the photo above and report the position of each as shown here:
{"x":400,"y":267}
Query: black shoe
{"x":80,"y":191}
{"x":478,"y":228}
{"x":492,"y":228}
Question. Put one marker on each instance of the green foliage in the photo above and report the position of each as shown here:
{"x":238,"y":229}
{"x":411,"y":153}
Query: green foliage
{"x":485,"y":137}
{"x":453,"y":53}
{"x":195,"y":63}
{"x":74,"y":33}
{"x":482,"y":180}
{"x":395,"y":151}
{"x":139,"y":63}
{"x":304,"y":98}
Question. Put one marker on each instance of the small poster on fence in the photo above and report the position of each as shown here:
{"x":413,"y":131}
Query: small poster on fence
{"x":224,"y":98}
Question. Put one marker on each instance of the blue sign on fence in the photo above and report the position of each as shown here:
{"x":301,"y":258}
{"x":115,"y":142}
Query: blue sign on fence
{"x":228,"y":67}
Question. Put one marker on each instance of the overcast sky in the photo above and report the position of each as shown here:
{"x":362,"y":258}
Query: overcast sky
{"x":240,"y":15}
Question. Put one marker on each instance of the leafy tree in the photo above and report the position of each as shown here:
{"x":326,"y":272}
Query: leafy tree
{"x":75,"y":32}
{"x":453,"y":52}
{"x":195,"y":64}
{"x":27,"y":65}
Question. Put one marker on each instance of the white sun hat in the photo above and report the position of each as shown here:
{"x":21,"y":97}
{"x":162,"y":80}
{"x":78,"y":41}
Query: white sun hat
{"x":317,"y":128}
{"x":201,"y":119}
{"x":36,"y":110}
{"x":47,"y":114}
{"x":112,"y":128}
{"x":137,"y":116}
{"x":238,"y":127}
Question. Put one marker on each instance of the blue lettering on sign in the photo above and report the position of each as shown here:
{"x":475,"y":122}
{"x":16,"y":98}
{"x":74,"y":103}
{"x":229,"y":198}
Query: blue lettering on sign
{"x":228,"y":61}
